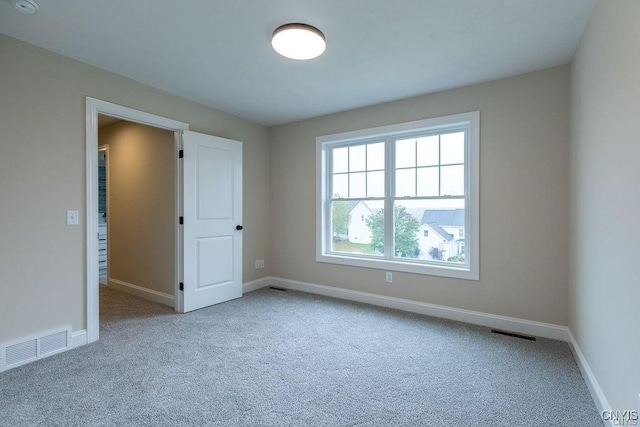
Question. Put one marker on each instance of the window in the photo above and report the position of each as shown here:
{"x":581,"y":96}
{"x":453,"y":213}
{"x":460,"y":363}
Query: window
{"x":425,"y":173}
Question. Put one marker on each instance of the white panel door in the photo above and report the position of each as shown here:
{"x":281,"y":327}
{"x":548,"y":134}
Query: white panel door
{"x":212,"y":212}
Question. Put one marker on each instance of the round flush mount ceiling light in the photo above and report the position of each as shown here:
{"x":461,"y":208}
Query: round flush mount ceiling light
{"x":298,"y":41}
{"x":25,"y":6}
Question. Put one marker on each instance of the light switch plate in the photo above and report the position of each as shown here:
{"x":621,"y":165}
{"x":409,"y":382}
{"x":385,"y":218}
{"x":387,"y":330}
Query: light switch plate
{"x":72,"y":217}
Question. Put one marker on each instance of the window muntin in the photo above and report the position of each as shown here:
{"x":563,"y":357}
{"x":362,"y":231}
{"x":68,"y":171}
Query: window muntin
{"x":358,"y":171}
{"x":426,"y":175}
{"x":430,"y":166}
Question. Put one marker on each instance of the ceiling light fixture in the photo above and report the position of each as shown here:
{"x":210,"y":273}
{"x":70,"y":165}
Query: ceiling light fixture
{"x":25,"y":6}
{"x":298,"y":41}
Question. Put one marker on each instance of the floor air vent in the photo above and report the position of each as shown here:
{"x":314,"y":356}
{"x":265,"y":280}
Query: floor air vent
{"x":277,"y":288}
{"x":21,"y":352}
{"x":513,"y":334}
{"x":27,"y":350}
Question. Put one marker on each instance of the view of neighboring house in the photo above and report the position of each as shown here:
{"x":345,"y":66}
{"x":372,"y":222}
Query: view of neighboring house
{"x":358,"y":230}
{"x":442,"y":229}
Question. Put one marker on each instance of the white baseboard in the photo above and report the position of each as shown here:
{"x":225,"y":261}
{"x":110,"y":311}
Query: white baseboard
{"x":254,"y":285}
{"x":528,"y":327}
{"x":78,"y":338}
{"x":141,"y":292}
{"x":589,"y":378}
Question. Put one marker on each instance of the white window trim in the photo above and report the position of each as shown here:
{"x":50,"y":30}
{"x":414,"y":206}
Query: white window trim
{"x":472,"y":227}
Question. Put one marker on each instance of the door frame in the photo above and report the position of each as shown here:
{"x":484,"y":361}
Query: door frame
{"x":93,"y":108}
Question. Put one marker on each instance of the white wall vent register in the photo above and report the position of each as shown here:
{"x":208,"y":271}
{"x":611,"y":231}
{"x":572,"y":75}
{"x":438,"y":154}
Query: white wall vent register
{"x":27,"y":350}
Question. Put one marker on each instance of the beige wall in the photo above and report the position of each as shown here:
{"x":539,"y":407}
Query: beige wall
{"x":605,"y":177}
{"x":42,"y":174}
{"x":523,"y":198}
{"x":141,"y":214}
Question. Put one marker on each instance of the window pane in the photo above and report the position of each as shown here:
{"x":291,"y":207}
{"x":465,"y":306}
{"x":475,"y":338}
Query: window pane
{"x":375,"y":184}
{"x":357,"y":158}
{"x":452,"y":148}
{"x":341,"y":159}
{"x":406,"y":183}
{"x":375,"y":156}
{"x":340,"y":219}
{"x":438,"y":236}
{"x":357,"y":227}
{"x":357,"y":185}
{"x":340,"y":186}
{"x":406,"y":224}
{"x":405,"y":153}
{"x":428,"y":182}
{"x":428,"y":151}
{"x":452,"y":183}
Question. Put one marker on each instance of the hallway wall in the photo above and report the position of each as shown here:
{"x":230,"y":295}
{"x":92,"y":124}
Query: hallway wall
{"x":141,"y":215}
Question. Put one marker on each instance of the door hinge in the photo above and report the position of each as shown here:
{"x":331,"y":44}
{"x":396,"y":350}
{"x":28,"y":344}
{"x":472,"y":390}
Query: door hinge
{"x":181,"y":286}
{"x":181,"y":220}
{"x":181,"y":154}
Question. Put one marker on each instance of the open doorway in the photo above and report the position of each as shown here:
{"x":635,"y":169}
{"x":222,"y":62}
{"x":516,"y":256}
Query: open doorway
{"x":207,"y":212}
{"x":112,"y":112}
{"x":136,"y":212}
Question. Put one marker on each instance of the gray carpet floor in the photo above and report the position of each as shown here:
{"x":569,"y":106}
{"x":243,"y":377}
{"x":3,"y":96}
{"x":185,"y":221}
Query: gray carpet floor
{"x":275,"y":358}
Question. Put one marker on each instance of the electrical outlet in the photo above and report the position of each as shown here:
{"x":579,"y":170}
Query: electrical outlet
{"x":389,"y":277}
{"x":261,"y":263}
{"x":257,"y":264}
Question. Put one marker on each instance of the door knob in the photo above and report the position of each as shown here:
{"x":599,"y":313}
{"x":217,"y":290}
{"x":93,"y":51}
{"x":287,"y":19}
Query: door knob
{"x":238,"y":227}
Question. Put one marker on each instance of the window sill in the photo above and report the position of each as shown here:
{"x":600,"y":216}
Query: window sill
{"x":406,"y":267}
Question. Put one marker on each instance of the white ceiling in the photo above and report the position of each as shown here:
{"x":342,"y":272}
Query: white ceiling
{"x":218,"y":52}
